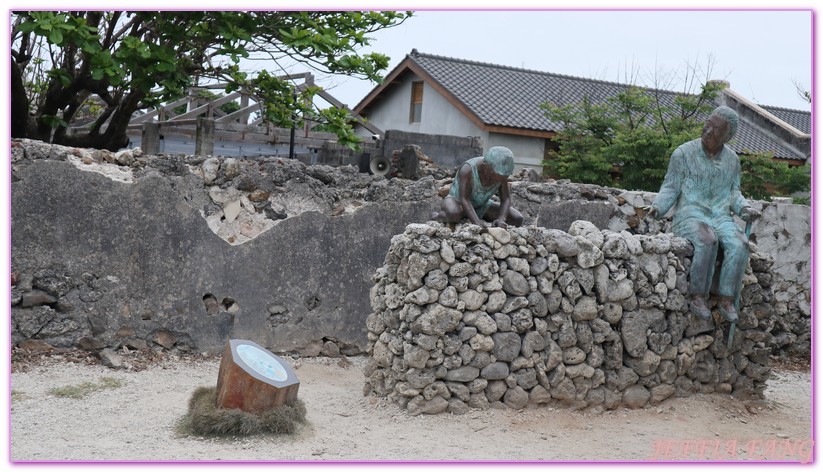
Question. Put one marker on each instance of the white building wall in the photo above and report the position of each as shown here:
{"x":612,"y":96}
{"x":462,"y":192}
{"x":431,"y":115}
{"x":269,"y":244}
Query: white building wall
{"x":439,"y":116}
{"x":528,"y":151}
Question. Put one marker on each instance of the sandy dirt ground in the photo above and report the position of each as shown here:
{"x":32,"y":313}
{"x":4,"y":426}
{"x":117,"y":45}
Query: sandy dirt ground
{"x":138,"y":421}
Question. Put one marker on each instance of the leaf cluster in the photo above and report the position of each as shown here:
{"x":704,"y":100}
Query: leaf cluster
{"x":624,"y":141}
{"x":761,"y":177}
{"x":133,"y":60}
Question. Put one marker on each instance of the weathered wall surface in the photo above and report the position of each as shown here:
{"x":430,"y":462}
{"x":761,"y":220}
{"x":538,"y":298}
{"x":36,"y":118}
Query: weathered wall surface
{"x":158,"y":260}
{"x":181,"y":252}
{"x":587,"y":318}
{"x":447,"y":151}
{"x":785,"y":231}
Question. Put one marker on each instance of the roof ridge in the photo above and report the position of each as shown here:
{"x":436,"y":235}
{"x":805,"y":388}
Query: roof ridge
{"x":784,"y":108}
{"x":416,"y":53}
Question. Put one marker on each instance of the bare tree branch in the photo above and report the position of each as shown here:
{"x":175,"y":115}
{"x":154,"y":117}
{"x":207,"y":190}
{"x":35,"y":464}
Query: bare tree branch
{"x":802,"y":92}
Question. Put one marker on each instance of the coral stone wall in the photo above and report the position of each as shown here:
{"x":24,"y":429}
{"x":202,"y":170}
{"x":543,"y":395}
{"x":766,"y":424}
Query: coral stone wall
{"x":783,"y":232}
{"x":590,"y":318}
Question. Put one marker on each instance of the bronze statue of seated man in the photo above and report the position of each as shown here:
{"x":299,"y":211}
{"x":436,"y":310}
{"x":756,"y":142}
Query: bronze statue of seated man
{"x":702,"y":185}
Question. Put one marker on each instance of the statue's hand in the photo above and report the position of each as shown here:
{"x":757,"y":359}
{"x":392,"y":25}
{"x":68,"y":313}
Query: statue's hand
{"x":500,"y":224}
{"x":749,"y":214}
{"x":650,"y":211}
{"x":480,"y":223}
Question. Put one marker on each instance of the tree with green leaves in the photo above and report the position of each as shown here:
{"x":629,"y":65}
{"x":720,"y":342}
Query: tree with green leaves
{"x":124,"y":62}
{"x":761,"y":177}
{"x":625,"y":140}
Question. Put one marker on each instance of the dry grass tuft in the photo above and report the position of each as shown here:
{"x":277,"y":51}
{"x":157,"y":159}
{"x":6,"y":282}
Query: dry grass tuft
{"x":81,"y":390}
{"x":205,"y":419}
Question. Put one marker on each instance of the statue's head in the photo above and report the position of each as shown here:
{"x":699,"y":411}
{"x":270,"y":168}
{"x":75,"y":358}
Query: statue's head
{"x":731,"y":117}
{"x":500,"y":159}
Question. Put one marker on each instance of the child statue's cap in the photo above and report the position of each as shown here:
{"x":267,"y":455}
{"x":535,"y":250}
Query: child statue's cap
{"x":501,"y":159}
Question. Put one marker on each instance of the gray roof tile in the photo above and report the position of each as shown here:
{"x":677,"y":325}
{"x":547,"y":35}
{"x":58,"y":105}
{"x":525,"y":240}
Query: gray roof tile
{"x":801,"y":120}
{"x":510,"y":97}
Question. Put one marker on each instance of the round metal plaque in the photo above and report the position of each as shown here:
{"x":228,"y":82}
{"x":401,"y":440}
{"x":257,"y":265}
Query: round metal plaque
{"x":262,"y":362}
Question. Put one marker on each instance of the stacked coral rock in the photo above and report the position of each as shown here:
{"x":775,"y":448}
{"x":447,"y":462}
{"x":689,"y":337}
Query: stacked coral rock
{"x":480,"y":317}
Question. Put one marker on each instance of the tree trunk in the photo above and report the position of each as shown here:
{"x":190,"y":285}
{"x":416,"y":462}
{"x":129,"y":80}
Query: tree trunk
{"x":114,"y":137}
{"x":19,"y":103}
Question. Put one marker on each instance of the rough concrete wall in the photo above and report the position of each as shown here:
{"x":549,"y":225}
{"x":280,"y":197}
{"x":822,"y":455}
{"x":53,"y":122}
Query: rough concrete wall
{"x":785,"y":232}
{"x":446,"y":151}
{"x":180,"y":252}
{"x":470,"y":318}
{"x":183,"y":253}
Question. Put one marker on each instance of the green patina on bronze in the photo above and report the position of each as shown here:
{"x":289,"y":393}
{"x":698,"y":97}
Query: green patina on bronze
{"x":702,"y":185}
{"x":475,"y":183}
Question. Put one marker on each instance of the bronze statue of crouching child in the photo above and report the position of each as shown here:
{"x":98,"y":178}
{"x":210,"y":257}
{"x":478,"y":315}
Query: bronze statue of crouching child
{"x":474,"y":184}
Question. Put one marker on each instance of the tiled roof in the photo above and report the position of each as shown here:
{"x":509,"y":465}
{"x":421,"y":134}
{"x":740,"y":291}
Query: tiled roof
{"x":510,"y":97}
{"x":507,"y":96}
{"x":801,"y":120}
{"x":750,"y":138}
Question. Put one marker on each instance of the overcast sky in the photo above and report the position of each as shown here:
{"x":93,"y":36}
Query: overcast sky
{"x":763,"y":54}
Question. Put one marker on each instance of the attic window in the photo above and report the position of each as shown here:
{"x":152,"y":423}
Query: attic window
{"x":416,"y":102}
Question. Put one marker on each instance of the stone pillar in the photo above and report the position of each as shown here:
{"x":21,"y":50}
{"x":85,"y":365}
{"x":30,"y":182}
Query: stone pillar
{"x":204,"y":137}
{"x":150,"y":139}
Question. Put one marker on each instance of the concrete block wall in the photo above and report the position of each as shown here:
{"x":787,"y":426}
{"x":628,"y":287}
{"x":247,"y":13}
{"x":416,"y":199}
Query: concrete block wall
{"x":446,"y":151}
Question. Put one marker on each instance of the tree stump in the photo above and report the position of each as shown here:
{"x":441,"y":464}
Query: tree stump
{"x":253,"y":379}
